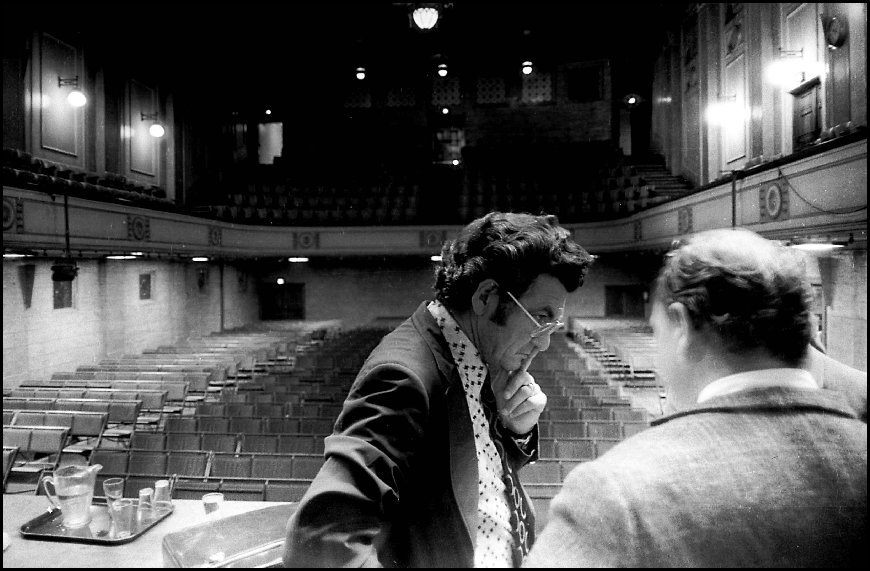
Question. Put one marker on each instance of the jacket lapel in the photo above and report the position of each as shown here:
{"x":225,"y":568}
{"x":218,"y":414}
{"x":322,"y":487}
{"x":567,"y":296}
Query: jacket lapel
{"x":463,"y":455}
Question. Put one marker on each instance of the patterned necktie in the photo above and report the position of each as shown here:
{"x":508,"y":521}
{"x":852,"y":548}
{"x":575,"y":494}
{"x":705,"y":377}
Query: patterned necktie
{"x":522,"y":526}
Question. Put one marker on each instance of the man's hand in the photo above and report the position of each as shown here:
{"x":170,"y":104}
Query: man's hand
{"x":519,"y":399}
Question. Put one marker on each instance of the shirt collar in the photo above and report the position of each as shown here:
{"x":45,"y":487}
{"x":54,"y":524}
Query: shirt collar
{"x":760,"y":379}
{"x":468,"y":360}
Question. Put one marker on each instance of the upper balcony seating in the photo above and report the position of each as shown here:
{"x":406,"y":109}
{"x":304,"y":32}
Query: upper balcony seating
{"x":23,"y":170}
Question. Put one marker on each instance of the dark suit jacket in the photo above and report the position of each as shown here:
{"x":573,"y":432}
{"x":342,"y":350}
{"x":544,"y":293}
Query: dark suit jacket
{"x":769,"y":478}
{"x":399,"y":484}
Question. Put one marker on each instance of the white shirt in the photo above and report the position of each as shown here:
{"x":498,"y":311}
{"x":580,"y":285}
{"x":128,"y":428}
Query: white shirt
{"x":760,"y":379}
{"x":494,"y":541}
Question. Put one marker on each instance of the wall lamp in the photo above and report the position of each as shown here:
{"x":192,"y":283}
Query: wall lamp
{"x":725,"y":110}
{"x":819,"y":244}
{"x":527,"y":67}
{"x":76,"y":97}
{"x":360,"y":73}
{"x":791,"y":68}
{"x":156,"y":129}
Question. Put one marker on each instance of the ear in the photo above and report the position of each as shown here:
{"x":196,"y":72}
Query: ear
{"x":686,"y":337}
{"x":485,"y":300}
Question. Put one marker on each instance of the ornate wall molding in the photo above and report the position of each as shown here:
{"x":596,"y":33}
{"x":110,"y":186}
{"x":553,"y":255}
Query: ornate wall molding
{"x":103,"y":227}
{"x":306,"y":240}
{"x":13,"y":215}
{"x":773,"y":201}
{"x":139,"y":228}
{"x":215,"y":236}
{"x":684,"y":220}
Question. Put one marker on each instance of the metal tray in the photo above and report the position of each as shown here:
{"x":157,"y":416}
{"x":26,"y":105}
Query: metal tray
{"x":49,"y":526}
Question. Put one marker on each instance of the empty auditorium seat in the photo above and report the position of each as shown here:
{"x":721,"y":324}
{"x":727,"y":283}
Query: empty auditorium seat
{"x":219,"y":441}
{"x":286,"y":490}
{"x":187,"y":463}
{"x":183,"y":441}
{"x":272,"y":466}
{"x":231,"y":465}
{"x":575,"y":448}
{"x":541,"y":472}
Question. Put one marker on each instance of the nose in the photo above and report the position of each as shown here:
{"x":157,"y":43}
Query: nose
{"x":542,"y":342}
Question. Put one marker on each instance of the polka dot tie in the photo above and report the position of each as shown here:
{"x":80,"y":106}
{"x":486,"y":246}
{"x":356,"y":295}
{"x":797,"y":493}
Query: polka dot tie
{"x":522,"y":528}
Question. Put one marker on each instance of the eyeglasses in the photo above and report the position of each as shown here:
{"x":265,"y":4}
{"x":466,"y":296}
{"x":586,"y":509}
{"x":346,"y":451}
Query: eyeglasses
{"x":540,"y":328}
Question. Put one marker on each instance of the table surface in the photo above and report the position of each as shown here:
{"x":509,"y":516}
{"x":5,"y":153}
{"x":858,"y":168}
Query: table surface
{"x":145,"y":551}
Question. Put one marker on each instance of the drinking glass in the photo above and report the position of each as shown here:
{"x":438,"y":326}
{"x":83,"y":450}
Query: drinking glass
{"x":123,"y":517}
{"x":113,"y":488}
{"x":212,"y":503}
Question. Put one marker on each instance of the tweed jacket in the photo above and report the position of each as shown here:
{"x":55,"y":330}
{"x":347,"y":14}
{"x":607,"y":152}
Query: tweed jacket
{"x":767,"y":477}
{"x":399,"y":484}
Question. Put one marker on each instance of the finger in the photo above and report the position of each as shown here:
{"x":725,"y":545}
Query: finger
{"x":533,"y":404}
{"x":515,"y":383}
{"x":528,"y":360}
{"x":526,"y":391}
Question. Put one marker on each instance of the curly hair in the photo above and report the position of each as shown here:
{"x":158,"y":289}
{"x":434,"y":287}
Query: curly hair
{"x":511,"y":248}
{"x":750,"y":291}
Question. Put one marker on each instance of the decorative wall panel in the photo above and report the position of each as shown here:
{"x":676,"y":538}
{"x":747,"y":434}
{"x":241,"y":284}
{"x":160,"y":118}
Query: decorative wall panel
{"x":143,"y":147}
{"x":491,"y":90}
{"x":59,"y":121}
{"x":402,"y":96}
{"x":446,"y":91}
{"x":537,"y":88}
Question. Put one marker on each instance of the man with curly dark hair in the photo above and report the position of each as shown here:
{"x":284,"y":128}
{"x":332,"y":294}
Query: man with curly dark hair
{"x":421,"y":468}
{"x":757,"y":466}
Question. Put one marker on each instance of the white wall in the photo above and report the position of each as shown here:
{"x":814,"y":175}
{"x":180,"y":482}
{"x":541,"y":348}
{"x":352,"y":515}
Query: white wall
{"x":107,"y":318}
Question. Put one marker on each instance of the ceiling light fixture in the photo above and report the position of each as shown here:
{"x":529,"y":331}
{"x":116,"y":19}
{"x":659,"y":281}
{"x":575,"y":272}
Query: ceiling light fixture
{"x":297,"y":260}
{"x":425,"y":17}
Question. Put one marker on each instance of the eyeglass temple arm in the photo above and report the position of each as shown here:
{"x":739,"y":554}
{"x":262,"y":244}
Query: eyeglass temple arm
{"x":520,"y":305}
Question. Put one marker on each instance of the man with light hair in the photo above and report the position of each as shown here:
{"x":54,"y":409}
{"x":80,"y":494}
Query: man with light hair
{"x":758,"y":466}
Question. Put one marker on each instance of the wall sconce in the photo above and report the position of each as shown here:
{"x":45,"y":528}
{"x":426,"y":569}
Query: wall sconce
{"x":725,"y":110}
{"x":76,"y":97}
{"x":442,"y":70}
{"x":527,"y":67}
{"x":820,"y":244}
{"x":156,"y":129}
{"x":791,"y":69}
{"x":631,"y":100}
{"x":360,"y":73}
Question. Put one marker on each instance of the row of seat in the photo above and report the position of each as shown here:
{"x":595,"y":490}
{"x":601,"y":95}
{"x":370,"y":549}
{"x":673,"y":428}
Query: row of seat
{"x":250,"y":424}
{"x":175,"y":391}
{"x":308,"y":408}
{"x":122,"y":411}
{"x":39,"y":447}
{"x":235,"y":489}
{"x":229,"y":441}
{"x":81,"y":424}
{"x":200,"y":463}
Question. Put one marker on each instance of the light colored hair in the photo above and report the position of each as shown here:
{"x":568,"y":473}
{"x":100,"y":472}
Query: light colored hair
{"x":753,"y":293}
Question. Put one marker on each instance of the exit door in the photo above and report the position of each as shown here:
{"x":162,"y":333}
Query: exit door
{"x":285,"y":301}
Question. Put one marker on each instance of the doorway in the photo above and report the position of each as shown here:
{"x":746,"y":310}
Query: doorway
{"x":284,"y":301}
